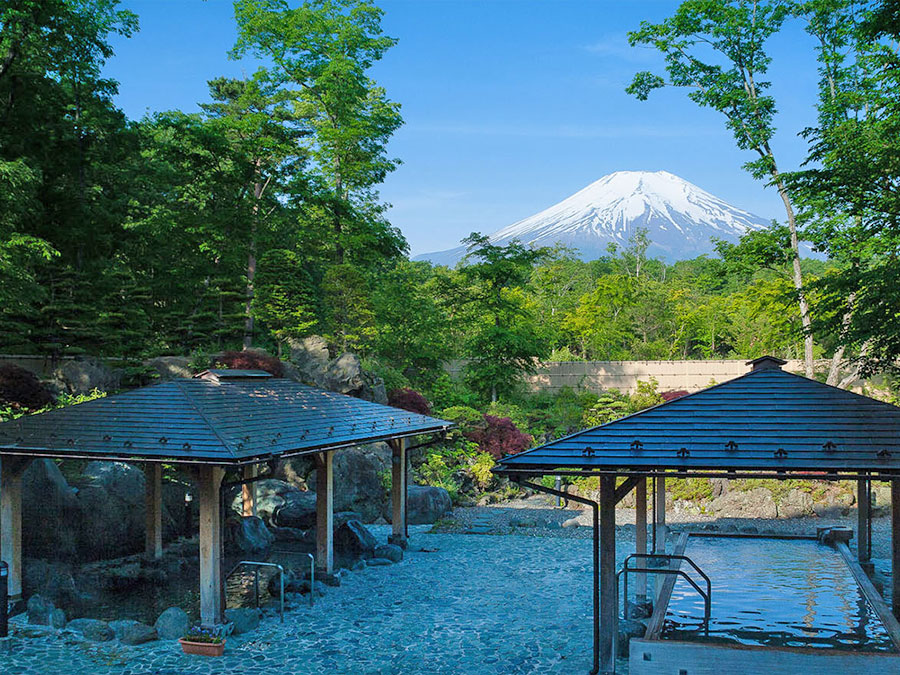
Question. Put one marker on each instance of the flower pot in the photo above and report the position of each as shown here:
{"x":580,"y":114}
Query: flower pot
{"x":202,"y":648}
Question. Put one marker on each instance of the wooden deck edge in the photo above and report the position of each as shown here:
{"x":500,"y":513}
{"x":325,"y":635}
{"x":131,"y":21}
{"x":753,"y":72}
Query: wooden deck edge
{"x":871,"y":594}
{"x":654,"y":626}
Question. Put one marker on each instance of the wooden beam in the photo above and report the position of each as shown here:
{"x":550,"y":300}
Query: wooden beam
{"x":627,"y":485}
{"x":895,"y":546}
{"x":153,"y":545}
{"x":211,"y":581}
{"x":863,"y":521}
{"x":659,"y":516}
{"x":11,"y":470}
{"x":640,"y":535}
{"x":609,"y":611}
{"x":248,"y":491}
{"x":325,"y":511}
{"x":398,"y":493}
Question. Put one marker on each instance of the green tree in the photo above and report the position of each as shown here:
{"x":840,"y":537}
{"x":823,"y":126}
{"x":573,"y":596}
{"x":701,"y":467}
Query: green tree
{"x":286,"y":297}
{"x":350,"y":317}
{"x":717,"y":50}
{"x":325,"y":48}
{"x":502,"y":340}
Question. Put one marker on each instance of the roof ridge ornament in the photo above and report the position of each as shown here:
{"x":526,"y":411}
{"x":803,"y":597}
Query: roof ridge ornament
{"x":766,"y":362}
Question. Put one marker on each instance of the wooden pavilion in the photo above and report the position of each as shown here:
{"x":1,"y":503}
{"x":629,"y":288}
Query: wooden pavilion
{"x":766,"y":424}
{"x":218,"y":421}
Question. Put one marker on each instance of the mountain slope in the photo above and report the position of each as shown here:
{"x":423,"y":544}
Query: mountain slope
{"x":681,"y":219}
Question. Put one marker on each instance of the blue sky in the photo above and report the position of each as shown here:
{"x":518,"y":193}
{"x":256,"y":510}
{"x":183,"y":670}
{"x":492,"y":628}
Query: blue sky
{"x":510,"y":105}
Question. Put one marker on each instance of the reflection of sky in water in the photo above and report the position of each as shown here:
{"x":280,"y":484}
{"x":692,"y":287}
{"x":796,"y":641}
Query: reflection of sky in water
{"x":777,"y":593}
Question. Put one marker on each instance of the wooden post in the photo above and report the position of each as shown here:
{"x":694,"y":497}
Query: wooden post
{"x":863,"y":521}
{"x":640,"y":535}
{"x":659,"y":516}
{"x":398,"y":493}
{"x":248,"y":491}
{"x":153,"y":500}
{"x":11,"y":470}
{"x":609,"y":611}
{"x":895,"y":546}
{"x":325,"y":511}
{"x":211,"y":582}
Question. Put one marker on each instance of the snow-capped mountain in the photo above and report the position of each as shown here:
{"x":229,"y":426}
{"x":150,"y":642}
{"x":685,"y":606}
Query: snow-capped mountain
{"x":681,"y":219}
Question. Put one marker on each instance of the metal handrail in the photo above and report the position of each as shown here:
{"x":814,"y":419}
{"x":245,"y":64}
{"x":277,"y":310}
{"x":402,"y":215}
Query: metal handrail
{"x":256,"y":565}
{"x":707,"y":596}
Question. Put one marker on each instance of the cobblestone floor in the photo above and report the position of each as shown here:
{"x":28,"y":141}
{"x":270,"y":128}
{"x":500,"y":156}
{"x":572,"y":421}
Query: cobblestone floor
{"x":456,"y":604}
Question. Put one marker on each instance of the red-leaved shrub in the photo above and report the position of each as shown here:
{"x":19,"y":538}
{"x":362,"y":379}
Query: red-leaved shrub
{"x":20,"y":388}
{"x":251,"y":360}
{"x":499,"y":437}
{"x":672,"y":395}
{"x":409,"y":399}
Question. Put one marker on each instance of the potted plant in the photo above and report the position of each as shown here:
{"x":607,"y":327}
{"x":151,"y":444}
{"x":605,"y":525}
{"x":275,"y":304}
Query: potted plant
{"x":203,"y":642}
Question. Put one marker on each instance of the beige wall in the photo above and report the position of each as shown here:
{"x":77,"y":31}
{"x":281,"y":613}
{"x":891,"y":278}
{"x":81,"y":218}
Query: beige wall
{"x":624,"y":375}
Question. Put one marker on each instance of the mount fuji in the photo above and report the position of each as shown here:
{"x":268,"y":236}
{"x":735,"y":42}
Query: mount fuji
{"x":681,"y":219}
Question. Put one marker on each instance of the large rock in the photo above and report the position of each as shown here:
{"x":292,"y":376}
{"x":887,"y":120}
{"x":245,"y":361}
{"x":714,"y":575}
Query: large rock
{"x":171,"y":367}
{"x":248,"y":534}
{"x":354,"y":540}
{"x":278,"y":502}
{"x":357,"y":480}
{"x":53,"y":581}
{"x":243,"y":619}
{"x":389,"y":552}
{"x":50,"y":513}
{"x":311,"y":364}
{"x":94,"y":630}
{"x":113,"y":507}
{"x":172,"y":624}
{"x":426,"y":503}
{"x":796,"y":504}
{"x":39,"y":610}
{"x":130,"y":632}
{"x":81,"y":376}
{"x":310,"y":356}
{"x":755,"y":503}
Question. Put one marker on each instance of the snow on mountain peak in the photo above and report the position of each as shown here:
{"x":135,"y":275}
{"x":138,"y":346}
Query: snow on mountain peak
{"x":680,"y":218}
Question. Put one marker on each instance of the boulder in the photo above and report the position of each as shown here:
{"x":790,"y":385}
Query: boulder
{"x":795,"y":504}
{"x":58,"y":619}
{"x":425,"y":504}
{"x":354,"y":540}
{"x":379,"y":562}
{"x":248,"y":534}
{"x":53,"y":581}
{"x":357,"y":480}
{"x":83,"y":375}
{"x":94,"y":630}
{"x":571,"y":522}
{"x":172,"y":624}
{"x":279,"y":503}
{"x":755,"y":503}
{"x":130,"y":632}
{"x":39,"y":610}
{"x":389,"y":552}
{"x":292,"y":534}
{"x":243,"y":619}
{"x":309,"y":356}
{"x":113,"y":507}
{"x":49,"y":511}
{"x":170,"y":367}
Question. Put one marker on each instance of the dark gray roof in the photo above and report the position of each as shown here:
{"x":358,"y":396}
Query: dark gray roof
{"x":766,"y":420}
{"x":224,"y":419}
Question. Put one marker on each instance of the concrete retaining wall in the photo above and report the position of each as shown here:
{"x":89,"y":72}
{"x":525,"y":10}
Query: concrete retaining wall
{"x":624,"y":375}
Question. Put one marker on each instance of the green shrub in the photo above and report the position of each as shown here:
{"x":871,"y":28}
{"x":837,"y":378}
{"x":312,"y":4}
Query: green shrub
{"x":610,"y":406}
{"x":480,"y":470}
{"x":464,"y":417}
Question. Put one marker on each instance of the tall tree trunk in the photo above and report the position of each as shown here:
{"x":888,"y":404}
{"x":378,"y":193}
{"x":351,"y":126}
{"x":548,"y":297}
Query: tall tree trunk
{"x":258,"y":188}
{"x":797,"y":275}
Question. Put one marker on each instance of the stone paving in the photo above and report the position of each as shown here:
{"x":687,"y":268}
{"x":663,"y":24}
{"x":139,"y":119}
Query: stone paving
{"x":457,"y":603}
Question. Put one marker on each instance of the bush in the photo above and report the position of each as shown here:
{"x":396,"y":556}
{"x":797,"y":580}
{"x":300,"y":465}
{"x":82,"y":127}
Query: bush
{"x":611,"y":406}
{"x":499,"y":437}
{"x":480,"y":470}
{"x":409,"y":399}
{"x":672,"y":395}
{"x":21,"y":389}
{"x":513,"y":412}
{"x":465,"y":418}
{"x":249,"y":359}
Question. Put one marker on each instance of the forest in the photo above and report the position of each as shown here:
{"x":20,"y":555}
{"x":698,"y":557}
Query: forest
{"x":257,"y":221}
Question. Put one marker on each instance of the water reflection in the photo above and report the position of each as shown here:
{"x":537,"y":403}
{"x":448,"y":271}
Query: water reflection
{"x":775,"y":593}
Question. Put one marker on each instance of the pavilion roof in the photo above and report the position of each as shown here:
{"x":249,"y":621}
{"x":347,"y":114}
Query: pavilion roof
{"x":765,"y":421}
{"x":220,"y":417}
